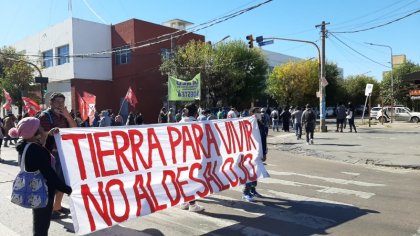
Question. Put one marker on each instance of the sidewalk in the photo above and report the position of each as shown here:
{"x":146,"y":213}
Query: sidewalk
{"x":392,"y":145}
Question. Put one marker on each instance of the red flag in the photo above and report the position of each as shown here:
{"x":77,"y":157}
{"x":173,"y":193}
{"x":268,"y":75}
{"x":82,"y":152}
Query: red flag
{"x":131,"y":97}
{"x":31,"y":106}
{"x":83,"y":109}
{"x":87,"y":106}
{"x":8,"y":104}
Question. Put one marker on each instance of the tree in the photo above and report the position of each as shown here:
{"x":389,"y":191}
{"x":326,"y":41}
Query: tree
{"x":295,"y":82}
{"x":16,"y":76}
{"x":401,"y":94}
{"x":355,"y":86}
{"x":231,"y":73}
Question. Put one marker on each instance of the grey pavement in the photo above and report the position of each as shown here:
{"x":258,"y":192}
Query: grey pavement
{"x":305,"y":195}
{"x":391,"y":144}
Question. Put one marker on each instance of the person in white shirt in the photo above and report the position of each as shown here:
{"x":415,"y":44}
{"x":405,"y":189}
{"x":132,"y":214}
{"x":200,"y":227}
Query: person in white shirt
{"x":231,"y":114}
{"x":275,"y":119}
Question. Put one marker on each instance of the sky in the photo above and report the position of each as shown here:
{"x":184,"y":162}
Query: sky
{"x":295,"y":19}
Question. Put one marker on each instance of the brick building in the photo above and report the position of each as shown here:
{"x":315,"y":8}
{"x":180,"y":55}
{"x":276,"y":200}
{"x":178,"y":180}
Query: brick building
{"x":64,"y":52}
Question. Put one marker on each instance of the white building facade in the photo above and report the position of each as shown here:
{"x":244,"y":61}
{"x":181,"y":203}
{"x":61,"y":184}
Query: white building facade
{"x":50,"y":50}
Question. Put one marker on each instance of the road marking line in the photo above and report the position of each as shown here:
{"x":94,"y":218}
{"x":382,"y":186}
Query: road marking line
{"x":417,"y":233}
{"x":309,"y":200}
{"x":280,"y":213}
{"x":324,"y":189}
{"x":326,"y":179}
{"x":350,"y":173}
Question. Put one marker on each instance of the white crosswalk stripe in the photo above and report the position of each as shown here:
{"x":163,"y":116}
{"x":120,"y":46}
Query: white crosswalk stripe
{"x":302,"y":191}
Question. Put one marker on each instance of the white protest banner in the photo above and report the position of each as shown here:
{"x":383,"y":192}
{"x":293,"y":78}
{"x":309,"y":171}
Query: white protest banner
{"x":120,"y":173}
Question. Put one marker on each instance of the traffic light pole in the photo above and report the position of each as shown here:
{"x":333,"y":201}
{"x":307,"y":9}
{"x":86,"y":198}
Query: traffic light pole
{"x":321,"y":75}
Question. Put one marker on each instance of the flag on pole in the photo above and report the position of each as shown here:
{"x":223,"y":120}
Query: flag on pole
{"x":131,"y":97}
{"x":31,"y":106}
{"x":87,"y":106}
{"x":181,"y":90}
{"x":8,"y":103}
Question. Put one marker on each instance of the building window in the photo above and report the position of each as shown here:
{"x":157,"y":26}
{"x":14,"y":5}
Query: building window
{"x":47,"y":59}
{"x":63,"y":55}
{"x":123,"y":55}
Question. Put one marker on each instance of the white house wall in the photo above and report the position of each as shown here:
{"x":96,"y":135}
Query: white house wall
{"x":82,"y":37}
{"x":60,"y":87}
{"x":91,"y":37}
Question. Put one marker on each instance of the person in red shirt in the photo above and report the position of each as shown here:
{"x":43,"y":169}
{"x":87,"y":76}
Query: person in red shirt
{"x":57,"y":116}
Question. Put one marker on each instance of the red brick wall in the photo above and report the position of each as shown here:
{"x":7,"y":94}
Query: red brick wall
{"x":143,"y":74}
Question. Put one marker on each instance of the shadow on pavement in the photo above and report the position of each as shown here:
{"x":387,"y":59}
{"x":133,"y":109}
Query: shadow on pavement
{"x":114,"y":230}
{"x":9,"y":162}
{"x":278,"y":216}
{"x":382,"y":131}
{"x":338,"y":144}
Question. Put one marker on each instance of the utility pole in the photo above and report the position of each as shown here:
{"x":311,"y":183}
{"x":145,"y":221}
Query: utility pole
{"x":323,"y":82}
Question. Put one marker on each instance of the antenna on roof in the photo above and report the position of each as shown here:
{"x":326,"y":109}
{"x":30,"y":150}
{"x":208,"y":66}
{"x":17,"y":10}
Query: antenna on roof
{"x":70,"y":7}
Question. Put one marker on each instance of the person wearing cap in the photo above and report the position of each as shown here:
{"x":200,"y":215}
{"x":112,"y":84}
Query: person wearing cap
{"x":38,"y":158}
{"x":56,"y":116}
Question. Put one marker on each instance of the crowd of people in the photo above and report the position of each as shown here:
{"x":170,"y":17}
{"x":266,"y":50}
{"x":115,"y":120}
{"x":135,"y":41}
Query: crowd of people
{"x":22,"y":131}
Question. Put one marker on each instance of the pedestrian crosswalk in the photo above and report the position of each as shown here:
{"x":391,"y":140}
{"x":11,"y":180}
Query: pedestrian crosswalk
{"x":226,"y":214}
{"x":292,"y":201}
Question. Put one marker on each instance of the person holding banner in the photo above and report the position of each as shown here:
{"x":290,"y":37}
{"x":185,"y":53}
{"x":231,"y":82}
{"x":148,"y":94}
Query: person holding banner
{"x":57,"y":116}
{"x":191,"y":110}
{"x":38,"y":158}
{"x":250,"y":191}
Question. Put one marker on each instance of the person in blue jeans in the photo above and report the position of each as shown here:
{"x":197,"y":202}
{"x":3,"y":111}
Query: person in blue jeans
{"x":250,"y":191}
{"x":297,"y":120}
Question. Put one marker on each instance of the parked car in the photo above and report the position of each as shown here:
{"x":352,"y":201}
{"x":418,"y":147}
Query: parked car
{"x":330,"y":111}
{"x":374,"y":112}
{"x":359,"y":110}
{"x":398,"y":114}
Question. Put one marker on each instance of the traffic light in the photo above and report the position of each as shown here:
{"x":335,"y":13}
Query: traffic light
{"x":250,"y":38}
{"x":259,"y":39}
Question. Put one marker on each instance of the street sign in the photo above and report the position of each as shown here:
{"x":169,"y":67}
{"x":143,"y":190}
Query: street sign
{"x":41,"y":80}
{"x":324,"y":82}
{"x":265,"y":43}
{"x":368,"y":90}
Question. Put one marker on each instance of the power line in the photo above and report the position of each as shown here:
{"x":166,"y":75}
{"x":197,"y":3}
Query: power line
{"x":378,"y":26}
{"x":176,"y":34}
{"x":372,"y":13}
{"x":357,"y":51}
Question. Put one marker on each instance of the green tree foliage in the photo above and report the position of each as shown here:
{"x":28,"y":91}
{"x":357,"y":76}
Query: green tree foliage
{"x":231,"y":73}
{"x":334,"y":90}
{"x":354,"y":87}
{"x":295,"y":82}
{"x":401,"y":88}
{"x":16,"y":75}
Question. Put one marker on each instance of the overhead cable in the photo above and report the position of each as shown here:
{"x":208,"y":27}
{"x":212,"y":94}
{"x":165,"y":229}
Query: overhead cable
{"x":345,"y":44}
{"x":377,"y":26}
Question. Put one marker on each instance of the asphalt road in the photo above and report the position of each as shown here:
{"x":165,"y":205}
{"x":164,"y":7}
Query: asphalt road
{"x":308,"y":193}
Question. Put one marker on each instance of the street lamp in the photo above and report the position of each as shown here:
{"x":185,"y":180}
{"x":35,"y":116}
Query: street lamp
{"x":321,"y":75}
{"x":392,"y":75}
{"x":223,"y":39}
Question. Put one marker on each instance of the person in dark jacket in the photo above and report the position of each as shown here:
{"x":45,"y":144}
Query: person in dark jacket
{"x":285,"y":117}
{"x":250,"y":191}
{"x":39,"y":158}
{"x":350,"y":117}
{"x":309,"y":122}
